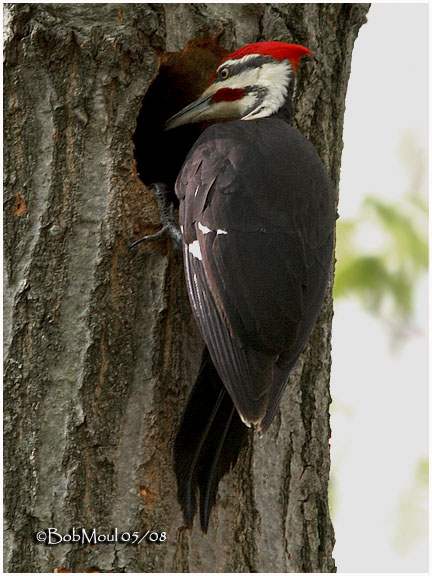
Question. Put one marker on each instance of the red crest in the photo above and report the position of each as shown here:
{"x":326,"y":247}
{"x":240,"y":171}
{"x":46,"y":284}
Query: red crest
{"x":278,"y":50}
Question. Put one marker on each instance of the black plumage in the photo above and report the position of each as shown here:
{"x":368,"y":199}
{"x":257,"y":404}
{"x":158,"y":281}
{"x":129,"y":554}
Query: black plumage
{"x":208,"y":442}
{"x":257,"y":212}
{"x":259,"y":286}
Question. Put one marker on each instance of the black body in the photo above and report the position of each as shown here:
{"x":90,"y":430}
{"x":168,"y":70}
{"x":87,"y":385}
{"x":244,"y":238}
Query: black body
{"x":258,"y":288}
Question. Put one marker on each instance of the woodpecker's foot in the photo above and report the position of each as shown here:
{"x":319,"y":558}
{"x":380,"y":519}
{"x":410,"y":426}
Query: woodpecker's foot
{"x":166,"y":212}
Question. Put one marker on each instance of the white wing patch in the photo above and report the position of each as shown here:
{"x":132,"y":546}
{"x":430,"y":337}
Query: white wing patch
{"x":203,"y":228}
{"x":194,"y":249}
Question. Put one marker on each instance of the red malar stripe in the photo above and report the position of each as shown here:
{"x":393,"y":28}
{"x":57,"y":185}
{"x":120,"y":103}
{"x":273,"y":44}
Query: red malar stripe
{"x":228,"y":95}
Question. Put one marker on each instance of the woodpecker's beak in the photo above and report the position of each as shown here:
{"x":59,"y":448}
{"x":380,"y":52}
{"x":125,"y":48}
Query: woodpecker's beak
{"x":191,"y":113}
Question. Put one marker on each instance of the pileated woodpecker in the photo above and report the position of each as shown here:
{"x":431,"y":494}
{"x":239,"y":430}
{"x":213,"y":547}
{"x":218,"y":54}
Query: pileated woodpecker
{"x":257,"y":215}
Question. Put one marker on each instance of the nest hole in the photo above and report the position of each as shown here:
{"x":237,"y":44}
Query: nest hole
{"x":182,"y":77}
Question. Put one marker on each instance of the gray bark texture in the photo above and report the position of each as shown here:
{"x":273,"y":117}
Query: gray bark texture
{"x":100,"y":344}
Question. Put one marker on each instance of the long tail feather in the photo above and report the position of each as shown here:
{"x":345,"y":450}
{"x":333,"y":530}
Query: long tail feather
{"x":188,"y":466}
{"x":208,"y":488}
{"x":207,"y":444}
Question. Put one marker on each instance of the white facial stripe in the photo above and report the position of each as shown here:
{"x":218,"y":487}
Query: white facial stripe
{"x":219,"y":231}
{"x":248,"y":77}
{"x":239,"y":60}
{"x":274,"y":76}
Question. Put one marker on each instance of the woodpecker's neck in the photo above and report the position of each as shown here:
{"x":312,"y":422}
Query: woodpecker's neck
{"x":286,"y":111}
{"x":269,"y":91}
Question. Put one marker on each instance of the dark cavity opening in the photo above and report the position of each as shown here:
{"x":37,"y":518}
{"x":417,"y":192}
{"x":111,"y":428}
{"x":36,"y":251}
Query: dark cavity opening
{"x":182,"y":77}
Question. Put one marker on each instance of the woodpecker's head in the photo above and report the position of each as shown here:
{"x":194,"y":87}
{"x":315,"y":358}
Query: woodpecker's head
{"x":250,"y":83}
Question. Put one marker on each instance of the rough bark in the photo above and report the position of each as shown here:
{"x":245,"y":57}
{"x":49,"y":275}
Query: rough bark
{"x":100,"y":345}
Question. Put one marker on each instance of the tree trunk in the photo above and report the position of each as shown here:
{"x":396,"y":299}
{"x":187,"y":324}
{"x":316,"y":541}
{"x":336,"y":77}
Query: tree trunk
{"x":100,"y":344}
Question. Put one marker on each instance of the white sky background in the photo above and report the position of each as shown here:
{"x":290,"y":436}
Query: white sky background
{"x":380,"y":398}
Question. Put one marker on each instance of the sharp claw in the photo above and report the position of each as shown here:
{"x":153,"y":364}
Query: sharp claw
{"x":166,"y":211}
{"x":150,"y":237}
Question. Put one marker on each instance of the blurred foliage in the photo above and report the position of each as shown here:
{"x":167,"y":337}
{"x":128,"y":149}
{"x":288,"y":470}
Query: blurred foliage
{"x":382,"y":253}
{"x":411,"y":522}
{"x":398,"y":259}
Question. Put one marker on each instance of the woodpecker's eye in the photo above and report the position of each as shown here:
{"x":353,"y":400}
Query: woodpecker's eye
{"x":224,"y":73}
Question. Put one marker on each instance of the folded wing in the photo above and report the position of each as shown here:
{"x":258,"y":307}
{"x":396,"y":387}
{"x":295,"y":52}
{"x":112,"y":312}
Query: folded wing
{"x":258,"y":247}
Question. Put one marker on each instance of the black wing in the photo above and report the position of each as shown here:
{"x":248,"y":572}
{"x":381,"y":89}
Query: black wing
{"x":257,"y":212}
